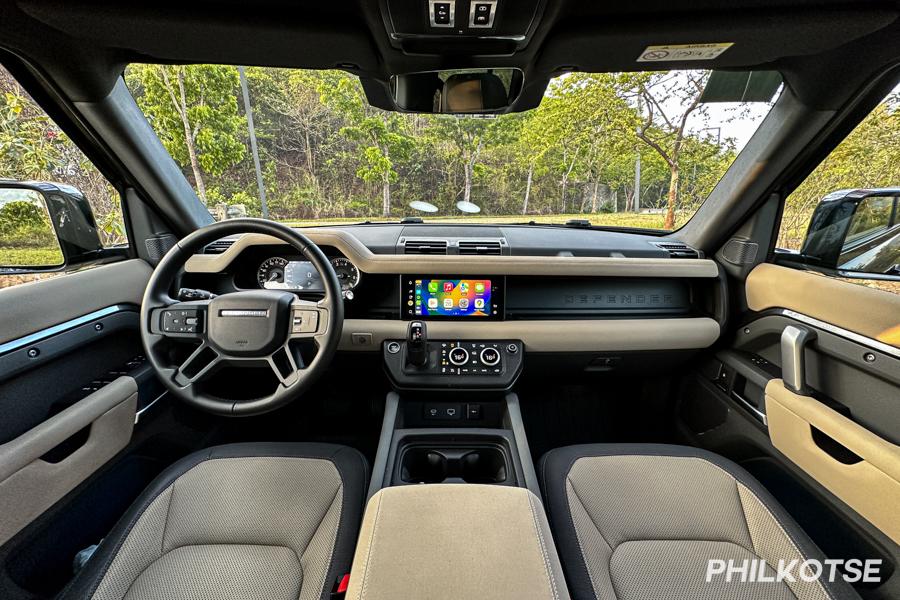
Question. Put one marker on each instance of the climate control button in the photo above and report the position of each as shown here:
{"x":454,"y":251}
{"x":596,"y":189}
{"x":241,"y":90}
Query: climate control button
{"x":458,"y":356}
{"x":490,"y":357}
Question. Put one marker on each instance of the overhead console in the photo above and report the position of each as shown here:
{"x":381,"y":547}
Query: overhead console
{"x":497,"y":27}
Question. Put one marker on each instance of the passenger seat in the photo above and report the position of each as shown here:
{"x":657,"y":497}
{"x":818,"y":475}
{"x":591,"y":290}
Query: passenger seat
{"x":643,"y":521}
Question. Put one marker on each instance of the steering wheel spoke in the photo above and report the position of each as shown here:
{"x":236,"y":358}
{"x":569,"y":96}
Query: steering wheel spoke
{"x":286,"y":366}
{"x":196,"y":367}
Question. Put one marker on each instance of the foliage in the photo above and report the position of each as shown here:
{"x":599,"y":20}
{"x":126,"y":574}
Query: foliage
{"x":867,"y":158}
{"x":32,"y":147}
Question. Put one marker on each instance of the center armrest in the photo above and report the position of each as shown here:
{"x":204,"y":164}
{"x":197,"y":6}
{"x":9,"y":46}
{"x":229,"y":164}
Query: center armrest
{"x":455,"y":541}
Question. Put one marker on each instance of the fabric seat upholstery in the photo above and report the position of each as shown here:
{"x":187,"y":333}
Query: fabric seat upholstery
{"x":642,"y":521}
{"x":250,"y":521}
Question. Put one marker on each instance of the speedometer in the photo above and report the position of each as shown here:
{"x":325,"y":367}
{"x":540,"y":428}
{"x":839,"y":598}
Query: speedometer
{"x":270,"y":274}
{"x":347,"y":273}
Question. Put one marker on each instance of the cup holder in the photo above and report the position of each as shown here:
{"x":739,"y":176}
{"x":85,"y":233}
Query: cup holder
{"x":462,"y":464}
{"x":421,"y":465}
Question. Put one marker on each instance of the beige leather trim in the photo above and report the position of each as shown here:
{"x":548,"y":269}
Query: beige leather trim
{"x":30,"y":485}
{"x":446,"y":541}
{"x":34,"y":306}
{"x":369,"y":262}
{"x":551,"y":336}
{"x":866,"y":311}
{"x":871,"y":487}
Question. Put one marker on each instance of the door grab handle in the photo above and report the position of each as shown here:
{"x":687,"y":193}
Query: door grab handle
{"x":793,"y":360}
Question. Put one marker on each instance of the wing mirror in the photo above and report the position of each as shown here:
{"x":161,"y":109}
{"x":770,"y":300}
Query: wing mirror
{"x":465,"y":91}
{"x":856,"y":231}
{"x":44,"y":226}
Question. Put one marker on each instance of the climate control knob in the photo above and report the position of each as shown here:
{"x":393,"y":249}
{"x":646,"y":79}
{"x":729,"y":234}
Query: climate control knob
{"x":458,"y":356}
{"x":490,"y":357}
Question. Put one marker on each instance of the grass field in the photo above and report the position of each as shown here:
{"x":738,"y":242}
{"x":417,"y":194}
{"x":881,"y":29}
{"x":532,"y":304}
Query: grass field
{"x":23,"y":256}
{"x":642,"y":220}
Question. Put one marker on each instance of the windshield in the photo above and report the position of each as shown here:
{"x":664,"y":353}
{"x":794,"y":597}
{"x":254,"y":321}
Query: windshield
{"x":622,"y":149}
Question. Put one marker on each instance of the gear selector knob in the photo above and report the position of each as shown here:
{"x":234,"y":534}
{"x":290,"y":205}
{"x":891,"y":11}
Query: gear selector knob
{"x":417,"y":344}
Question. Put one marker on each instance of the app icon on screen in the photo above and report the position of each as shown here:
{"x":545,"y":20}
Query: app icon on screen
{"x":432,"y":303}
{"x":448,"y":302}
{"x":479,"y":288}
{"x":464,"y":303}
{"x":448,"y":287}
{"x":464,"y":287}
{"x":433,"y":287}
{"x":479,"y":302}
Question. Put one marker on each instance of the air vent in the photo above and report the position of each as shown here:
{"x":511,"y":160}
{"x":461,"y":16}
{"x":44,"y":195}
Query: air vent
{"x":678,"y":250}
{"x":425,"y":247}
{"x":218,"y":247}
{"x":491,"y":248}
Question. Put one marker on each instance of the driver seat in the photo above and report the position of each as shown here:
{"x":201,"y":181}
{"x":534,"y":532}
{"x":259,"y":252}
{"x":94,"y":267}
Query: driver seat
{"x":252,"y":521}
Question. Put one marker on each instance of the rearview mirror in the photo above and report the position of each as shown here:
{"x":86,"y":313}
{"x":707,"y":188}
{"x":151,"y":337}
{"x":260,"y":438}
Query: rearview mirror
{"x":467,"y":91}
{"x":45,"y":225}
{"x":856,"y":231}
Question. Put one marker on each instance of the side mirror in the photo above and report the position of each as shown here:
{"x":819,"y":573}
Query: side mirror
{"x":44,"y":226}
{"x":856,"y":231}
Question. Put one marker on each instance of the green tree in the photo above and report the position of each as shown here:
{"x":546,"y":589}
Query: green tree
{"x":667,"y":101}
{"x":194,"y":111}
{"x":383,"y":137}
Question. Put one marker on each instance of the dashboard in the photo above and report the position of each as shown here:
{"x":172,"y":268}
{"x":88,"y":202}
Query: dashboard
{"x":555,"y":290}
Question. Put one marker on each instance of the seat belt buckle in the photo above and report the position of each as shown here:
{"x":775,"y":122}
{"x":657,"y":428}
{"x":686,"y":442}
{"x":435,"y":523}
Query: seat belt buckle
{"x":340,"y":587}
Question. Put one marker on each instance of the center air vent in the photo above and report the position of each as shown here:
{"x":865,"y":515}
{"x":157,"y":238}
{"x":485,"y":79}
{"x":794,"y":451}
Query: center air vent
{"x":218,"y":247}
{"x":491,"y":248}
{"x":425,"y":247}
{"x":678,"y":249}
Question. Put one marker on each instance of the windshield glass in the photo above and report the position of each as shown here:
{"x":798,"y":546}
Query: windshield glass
{"x":620,"y":149}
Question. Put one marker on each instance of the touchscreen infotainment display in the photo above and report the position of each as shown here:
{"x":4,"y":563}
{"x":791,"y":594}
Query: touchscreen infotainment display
{"x":451,"y":297}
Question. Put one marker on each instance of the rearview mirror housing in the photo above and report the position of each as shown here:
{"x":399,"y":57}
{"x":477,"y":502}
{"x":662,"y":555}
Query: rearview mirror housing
{"x":458,"y":92}
{"x":857,"y":231}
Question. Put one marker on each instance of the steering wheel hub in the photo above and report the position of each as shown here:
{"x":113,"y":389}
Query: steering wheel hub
{"x":252,"y":323}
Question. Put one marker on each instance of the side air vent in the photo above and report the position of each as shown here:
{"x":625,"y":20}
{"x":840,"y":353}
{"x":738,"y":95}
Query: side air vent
{"x":678,"y":249}
{"x":491,"y":248}
{"x":425,"y":247}
{"x":218,"y":247}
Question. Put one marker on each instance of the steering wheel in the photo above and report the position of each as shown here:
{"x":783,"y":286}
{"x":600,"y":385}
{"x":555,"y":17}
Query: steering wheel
{"x":241,"y":329}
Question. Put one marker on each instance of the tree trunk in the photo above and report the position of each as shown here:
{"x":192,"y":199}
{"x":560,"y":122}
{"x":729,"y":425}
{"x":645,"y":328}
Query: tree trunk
{"x":189,"y":139}
{"x":467,"y":190}
{"x":595,"y":196}
{"x":673,"y":197}
{"x":386,"y":195}
{"x":528,"y":189}
{"x":565,"y":183}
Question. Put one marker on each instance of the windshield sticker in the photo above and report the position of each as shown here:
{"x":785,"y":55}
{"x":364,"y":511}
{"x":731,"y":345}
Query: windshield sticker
{"x":683,"y":52}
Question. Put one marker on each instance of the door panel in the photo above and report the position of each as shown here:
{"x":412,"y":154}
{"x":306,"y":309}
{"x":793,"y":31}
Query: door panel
{"x":40,"y":305}
{"x":857,"y":466}
{"x":25,"y":474}
{"x":856,"y":308}
{"x":827,"y":449}
{"x":72,"y":383}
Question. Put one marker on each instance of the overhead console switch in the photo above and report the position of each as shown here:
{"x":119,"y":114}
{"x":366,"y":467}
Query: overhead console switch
{"x":442,"y":13}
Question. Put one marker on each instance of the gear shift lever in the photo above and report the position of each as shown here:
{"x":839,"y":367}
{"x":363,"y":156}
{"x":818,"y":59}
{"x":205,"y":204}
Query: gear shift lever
{"x":417,"y":344}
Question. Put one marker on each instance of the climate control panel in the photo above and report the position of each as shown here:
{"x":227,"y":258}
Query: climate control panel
{"x":456,"y":363}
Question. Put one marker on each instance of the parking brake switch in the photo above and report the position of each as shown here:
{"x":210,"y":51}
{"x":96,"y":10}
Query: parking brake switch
{"x":417,"y":344}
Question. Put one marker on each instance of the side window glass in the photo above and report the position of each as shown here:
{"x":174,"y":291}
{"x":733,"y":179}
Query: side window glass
{"x":33,"y":149}
{"x":843,"y":219}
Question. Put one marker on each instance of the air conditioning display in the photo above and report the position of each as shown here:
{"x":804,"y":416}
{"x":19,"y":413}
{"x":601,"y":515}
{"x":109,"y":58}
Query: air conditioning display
{"x":427,"y":297}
